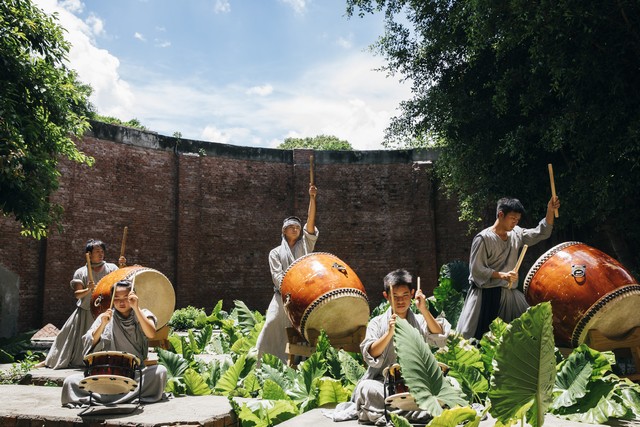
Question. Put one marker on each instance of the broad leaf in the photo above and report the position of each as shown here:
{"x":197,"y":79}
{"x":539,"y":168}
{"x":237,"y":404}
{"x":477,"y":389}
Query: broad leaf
{"x":351,"y":369}
{"x":273,"y":391}
{"x":229,"y":380}
{"x":601,"y":361}
{"x":399,"y":420}
{"x":266,"y":413}
{"x":572,"y":380}
{"x":421,"y":371}
{"x":596,"y":407}
{"x":455,"y":417}
{"x":459,"y":352}
{"x":246,"y":319}
{"x":524,"y":368}
{"x":176,"y":364}
{"x":251,"y":384}
{"x":489,"y":342}
{"x":195,"y":384}
{"x":473,"y":383}
{"x":331,"y":391}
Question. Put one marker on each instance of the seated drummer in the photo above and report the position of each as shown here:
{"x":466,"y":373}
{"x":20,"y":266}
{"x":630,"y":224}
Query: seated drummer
{"x":128,"y":328}
{"x":378,"y":351}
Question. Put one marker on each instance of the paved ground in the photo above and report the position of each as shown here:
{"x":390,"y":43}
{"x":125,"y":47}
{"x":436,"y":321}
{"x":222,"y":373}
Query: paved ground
{"x":39,"y":405}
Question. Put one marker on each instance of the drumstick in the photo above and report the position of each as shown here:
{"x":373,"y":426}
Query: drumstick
{"x":311,"y":181}
{"x":124,"y":243}
{"x":524,"y":251}
{"x":391,"y":296}
{"x":89,"y":269}
{"x":418,"y":285}
{"x":553,"y":188}
{"x":113,"y":295}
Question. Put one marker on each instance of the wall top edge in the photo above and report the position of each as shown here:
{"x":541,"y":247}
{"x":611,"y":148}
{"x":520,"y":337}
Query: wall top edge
{"x":189,"y":147}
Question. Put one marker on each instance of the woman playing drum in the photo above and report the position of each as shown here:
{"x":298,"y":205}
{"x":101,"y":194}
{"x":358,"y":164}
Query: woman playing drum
{"x":127,"y":328}
{"x":66,"y":350}
{"x":296,"y":242}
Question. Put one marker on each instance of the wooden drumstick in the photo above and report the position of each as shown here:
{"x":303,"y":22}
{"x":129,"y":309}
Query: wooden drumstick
{"x":393,"y":311}
{"x":311,"y":180}
{"x":517,"y":267}
{"x":418,"y":285}
{"x":123,"y":245}
{"x":553,"y":188}
{"x":89,"y":269}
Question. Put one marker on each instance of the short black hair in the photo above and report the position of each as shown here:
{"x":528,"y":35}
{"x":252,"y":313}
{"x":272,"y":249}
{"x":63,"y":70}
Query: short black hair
{"x":508,"y":205}
{"x":127,"y":284}
{"x":398,"y":277}
{"x":92,"y":243}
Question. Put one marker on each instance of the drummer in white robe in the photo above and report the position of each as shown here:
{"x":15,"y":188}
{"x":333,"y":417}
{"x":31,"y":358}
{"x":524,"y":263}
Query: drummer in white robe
{"x":296,"y":242}
{"x":493,"y":279}
{"x":378,"y":351}
{"x":126,"y":328}
{"x":66,"y":350}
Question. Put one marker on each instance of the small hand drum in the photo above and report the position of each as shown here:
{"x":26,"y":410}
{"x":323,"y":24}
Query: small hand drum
{"x":110,"y":372}
{"x":398,"y":395}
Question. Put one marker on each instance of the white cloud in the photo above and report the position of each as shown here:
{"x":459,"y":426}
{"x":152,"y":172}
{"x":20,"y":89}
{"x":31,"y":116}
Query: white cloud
{"x":345,"y":43}
{"x":263,"y":90}
{"x":222,"y":6}
{"x":138,"y":36}
{"x":162,"y":43}
{"x":299,"y":6}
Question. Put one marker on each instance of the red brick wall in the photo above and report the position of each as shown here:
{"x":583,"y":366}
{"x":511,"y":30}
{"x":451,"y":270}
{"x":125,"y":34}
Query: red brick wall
{"x":206,"y":215}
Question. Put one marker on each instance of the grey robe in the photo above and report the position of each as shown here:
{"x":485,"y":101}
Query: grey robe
{"x":490,"y":253}
{"x":273,"y":337}
{"x":66,"y":350}
{"x":120,"y":334}
{"x":367,"y":401}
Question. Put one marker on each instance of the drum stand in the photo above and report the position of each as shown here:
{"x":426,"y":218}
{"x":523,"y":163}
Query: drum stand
{"x":112,"y":409}
{"x":631,"y":342}
{"x":298,"y":346}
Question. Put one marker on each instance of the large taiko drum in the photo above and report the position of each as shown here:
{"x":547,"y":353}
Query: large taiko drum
{"x":587,"y":289}
{"x":110,"y":372}
{"x":154,"y":290}
{"x":321,"y":292}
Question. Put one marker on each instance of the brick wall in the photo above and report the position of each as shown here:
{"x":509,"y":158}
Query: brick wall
{"x":206,"y":215}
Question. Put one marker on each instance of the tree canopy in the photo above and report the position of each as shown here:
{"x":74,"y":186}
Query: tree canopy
{"x":319,"y":142}
{"x":507,"y":87}
{"x":42,"y":107}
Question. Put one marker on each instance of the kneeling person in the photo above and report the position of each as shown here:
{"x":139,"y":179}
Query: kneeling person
{"x":128,"y":328}
{"x":377,"y":348}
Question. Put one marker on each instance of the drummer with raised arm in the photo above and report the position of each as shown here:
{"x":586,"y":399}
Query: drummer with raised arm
{"x":296,"y":240}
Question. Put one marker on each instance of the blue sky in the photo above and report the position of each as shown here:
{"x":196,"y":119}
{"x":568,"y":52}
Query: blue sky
{"x":242,"y":72}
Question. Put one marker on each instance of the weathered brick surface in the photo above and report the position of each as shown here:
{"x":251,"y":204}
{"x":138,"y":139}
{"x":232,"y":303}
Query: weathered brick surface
{"x":209,"y":221}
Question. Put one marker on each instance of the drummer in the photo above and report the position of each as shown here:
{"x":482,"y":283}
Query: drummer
{"x":296,"y":241}
{"x":493,"y":279}
{"x":66,"y":350}
{"x":378,"y":351}
{"x":126,"y":328}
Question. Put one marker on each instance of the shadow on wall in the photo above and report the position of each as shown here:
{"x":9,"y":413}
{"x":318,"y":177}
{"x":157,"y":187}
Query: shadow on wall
{"x":9,"y":287}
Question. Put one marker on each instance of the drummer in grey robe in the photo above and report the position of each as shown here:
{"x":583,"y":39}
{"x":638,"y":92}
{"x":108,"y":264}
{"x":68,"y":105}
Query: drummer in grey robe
{"x":66,"y":350}
{"x":378,"y":351}
{"x":296,"y":242}
{"x":493,"y":290}
{"x":126,"y":327}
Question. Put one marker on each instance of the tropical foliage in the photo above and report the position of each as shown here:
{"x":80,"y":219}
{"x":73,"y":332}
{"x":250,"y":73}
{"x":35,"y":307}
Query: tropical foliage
{"x":320,"y":142}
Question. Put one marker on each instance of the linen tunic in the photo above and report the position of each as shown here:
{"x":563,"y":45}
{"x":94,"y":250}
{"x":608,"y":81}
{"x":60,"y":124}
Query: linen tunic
{"x":273,"y":337}
{"x":66,"y":350}
{"x":490,"y":253}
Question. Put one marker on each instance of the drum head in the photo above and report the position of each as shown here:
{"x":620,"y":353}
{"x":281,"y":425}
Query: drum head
{"x":339,"y":314}
{"x":402,"y":401}
{"x":156,"y":294}
{"x":108,"y":384}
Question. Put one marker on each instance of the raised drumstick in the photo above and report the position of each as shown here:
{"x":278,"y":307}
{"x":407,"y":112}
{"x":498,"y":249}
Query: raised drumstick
{"x":311,"y":180}
{"x":391,"y":297}
{"x":553,"y":188}
{"x":418,"y":284}
{"x":124,"y":244}
{"x":89,"y":269}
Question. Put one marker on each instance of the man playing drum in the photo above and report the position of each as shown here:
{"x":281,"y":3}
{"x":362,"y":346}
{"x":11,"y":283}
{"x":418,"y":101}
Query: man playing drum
{"x":66,"y":350}
{"x":296,"y":242}
{"x":378,"y":351}
{"x":128,"y":329}
{"x":493,"y":277}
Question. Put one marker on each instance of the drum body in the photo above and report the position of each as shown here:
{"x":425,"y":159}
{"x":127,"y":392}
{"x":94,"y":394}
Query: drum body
{"x":154,"y":290}
{"x":321,"y":292}
{"x":587,"y":289}
{"x":110,"y":372}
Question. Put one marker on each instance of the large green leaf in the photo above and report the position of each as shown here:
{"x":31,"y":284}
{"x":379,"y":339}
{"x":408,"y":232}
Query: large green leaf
{"x":473,"y":383}
{"x":572,"y":380}
{"x":601,"y":361}
{"x":489,"y":342}
{"x":331,"y":391}
{"x":272,"y":391}
{"x":597,"y":406}
{"x":246,"y":318}
{"x":421,"y":371}
{"x":455,"y":417}
{"x":459,"y":352}
{"x":196,"y":385}
{"x":229,"y":380}
{"x":266,"y":413}
{"x":524,"y":368}
{"x":176,"y":364}
{"x":351,"y":369}
{"x":399,"y":420}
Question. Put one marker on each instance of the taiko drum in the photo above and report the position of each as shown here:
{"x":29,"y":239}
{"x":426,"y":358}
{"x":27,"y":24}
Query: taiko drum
{"x":154,"y":290}
{"x":110,"y":372}
{"x":321,"y":292}
{"x":587,"y":289}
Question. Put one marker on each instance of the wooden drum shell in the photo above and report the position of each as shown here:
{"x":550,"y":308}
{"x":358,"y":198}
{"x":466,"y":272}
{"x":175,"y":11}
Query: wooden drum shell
{"x":587,"y":289}
{"x":320,"y":291}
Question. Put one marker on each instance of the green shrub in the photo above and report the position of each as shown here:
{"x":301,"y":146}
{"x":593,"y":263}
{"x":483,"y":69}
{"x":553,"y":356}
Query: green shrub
{"x":187,"y":318}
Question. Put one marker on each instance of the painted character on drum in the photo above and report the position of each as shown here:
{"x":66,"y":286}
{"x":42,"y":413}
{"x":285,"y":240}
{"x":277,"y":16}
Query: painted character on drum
{"x":378,"y":351}
{"x":125,"y":328}
{"x":66,"y":350}
{"x":296,"y":242}
{"x":493,"y":276}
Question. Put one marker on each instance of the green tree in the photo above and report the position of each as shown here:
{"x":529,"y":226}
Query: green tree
{"x":320,"y":142}
{"x":42,"y":107}
{"x":510,"y":86}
